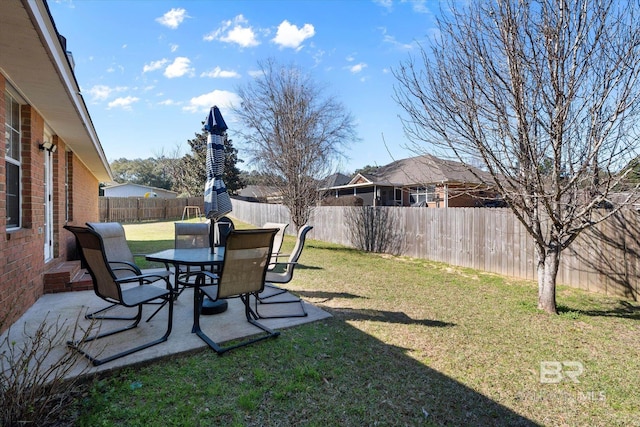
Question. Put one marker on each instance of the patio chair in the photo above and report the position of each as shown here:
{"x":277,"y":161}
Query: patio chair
{"x":277,"y":241}
{"x":190,"y":235}
{"x":281,"y":274}
{"x":119,"y":257}
{"x":244,"y":268}
{"x":108,"y":286}
{"x":116,"y":248}
{"x":223,"y":226}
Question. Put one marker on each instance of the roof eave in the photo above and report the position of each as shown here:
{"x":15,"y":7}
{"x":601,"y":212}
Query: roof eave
{"x":35,"y":63}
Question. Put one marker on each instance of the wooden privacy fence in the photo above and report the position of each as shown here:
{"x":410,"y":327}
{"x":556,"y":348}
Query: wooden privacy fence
{"x":605,"y":259}
{"x":133,"y":209}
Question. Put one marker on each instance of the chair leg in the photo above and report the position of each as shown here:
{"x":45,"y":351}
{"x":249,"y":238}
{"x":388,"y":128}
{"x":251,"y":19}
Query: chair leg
{"x":96,"y":361}
{"x":249,"y":313}
{"x":261,"y":300}
{"x":92,"y":316}
{"x":279,"y":291}
{"x":176,"y":293}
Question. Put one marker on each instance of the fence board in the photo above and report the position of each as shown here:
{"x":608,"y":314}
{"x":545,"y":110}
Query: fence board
{"x":134,"y":209}
{"x":605,"y":259}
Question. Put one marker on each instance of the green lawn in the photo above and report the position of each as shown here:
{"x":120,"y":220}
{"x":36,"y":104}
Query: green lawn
{"x":411,"y":342}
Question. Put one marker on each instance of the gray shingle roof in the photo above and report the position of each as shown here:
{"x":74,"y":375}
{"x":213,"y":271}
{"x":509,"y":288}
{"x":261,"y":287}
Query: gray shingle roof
{"x":426,"y":169}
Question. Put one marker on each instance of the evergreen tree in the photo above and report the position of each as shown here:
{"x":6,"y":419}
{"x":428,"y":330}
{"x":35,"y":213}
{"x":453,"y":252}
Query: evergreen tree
{"x":192,"y":173}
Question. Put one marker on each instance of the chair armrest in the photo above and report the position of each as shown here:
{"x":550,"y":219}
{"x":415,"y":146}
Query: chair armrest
{"x":280,"y":266}
{"x":125,"y":265}
{"x":145,"y":279}
{"x":210,"y":290}
{"x":201,"y":275}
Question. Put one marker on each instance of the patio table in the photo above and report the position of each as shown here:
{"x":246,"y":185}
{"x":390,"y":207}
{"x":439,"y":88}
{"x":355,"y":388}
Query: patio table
{"x":192,"y":257}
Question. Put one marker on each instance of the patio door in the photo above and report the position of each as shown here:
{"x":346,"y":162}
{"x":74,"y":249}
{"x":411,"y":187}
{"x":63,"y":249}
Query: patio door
{"x":48,"y":202}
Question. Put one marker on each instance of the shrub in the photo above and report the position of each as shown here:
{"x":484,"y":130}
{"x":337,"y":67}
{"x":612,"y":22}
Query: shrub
{"x":34,"y":382}
{"x":342,"y":201}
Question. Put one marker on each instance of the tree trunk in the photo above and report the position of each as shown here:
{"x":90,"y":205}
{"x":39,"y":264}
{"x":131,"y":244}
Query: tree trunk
{"x":547,"y":287}
{"x":540,"y":270}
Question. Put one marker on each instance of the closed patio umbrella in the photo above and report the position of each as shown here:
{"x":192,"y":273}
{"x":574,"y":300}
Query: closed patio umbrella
{"x":217,"y":202}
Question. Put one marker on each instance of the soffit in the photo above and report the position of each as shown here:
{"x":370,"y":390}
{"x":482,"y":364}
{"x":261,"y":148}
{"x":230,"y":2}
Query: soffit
{"x":34,"y":62}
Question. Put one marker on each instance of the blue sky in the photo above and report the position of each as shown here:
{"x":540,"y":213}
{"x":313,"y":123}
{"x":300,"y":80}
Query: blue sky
{"x":150,"y":70}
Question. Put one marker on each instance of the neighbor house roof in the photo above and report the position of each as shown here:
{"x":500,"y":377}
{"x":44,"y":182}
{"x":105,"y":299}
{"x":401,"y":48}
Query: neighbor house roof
{"x":257,"y":191}
{"x":35,"y":62}
{"x":335,"y":179}
{"x":421,"y":170}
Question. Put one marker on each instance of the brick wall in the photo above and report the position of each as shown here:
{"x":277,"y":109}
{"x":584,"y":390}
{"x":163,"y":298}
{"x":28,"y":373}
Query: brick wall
{"x":22,"y":250}
{"x":83,"y":196}
{"x":22,"y":265}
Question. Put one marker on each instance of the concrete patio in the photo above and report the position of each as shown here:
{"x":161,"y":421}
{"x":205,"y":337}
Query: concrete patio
{"x":66,"y":308}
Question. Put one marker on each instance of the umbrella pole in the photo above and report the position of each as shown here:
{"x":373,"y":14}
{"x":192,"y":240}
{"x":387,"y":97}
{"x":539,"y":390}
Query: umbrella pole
{"x":212,"y":236}
{"x":208,"y":305}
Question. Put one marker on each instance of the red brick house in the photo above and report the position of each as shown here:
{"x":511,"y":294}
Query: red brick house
{"x":420,"y":181}
{"x":53,"y":161}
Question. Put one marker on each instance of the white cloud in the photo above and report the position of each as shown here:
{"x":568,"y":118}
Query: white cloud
{"x":102,"y":92}
{"x":420,"y":6}
{"x":173,"y":18}
{"x":173,"y":47}
{"x":289,"y":35}
{"x":384,"y":3}
{"x":169,"y":102}
{"x":221,"y":98}
{"x":124,"y":103}
{"x":220,"y":73}
{"x":357,"y":68}
{"x":178,"y":68}
{"x":237,"y":31}
{"x":154,"y":65}
{"x":387,"y":38}
{"x":114,"y":68}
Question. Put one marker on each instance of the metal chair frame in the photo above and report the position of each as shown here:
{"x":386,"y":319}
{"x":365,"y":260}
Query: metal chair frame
{"x":272,"y":277}
{"x":244,"y":268}
{"x":120,"y":259}
{"x":108,"y":286}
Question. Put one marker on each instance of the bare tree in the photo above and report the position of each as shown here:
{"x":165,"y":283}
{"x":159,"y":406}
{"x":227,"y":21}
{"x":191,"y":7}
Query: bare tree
{"x":545,"y":92}
{"x":295,"y":133}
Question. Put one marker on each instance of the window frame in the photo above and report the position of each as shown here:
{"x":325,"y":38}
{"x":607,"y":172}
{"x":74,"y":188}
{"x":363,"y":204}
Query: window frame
{"x":14,"y":159}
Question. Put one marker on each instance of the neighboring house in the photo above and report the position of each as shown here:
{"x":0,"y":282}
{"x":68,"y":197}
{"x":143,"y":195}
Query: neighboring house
{"x":335,"y":180}
{"x":136,"y":190}
{"x":53,"y":160}
{"x":419,"y":181}
{"x":260,"y":193}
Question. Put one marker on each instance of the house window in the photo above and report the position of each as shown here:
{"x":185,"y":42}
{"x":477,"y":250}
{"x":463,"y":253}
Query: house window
{"x":431,"y":193}
{"x":422,"y":194}
{"x":12,"y":161}
{"x":417,"y":195}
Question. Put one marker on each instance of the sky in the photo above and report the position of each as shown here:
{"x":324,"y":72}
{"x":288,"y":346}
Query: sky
{"x":149,"y":71}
